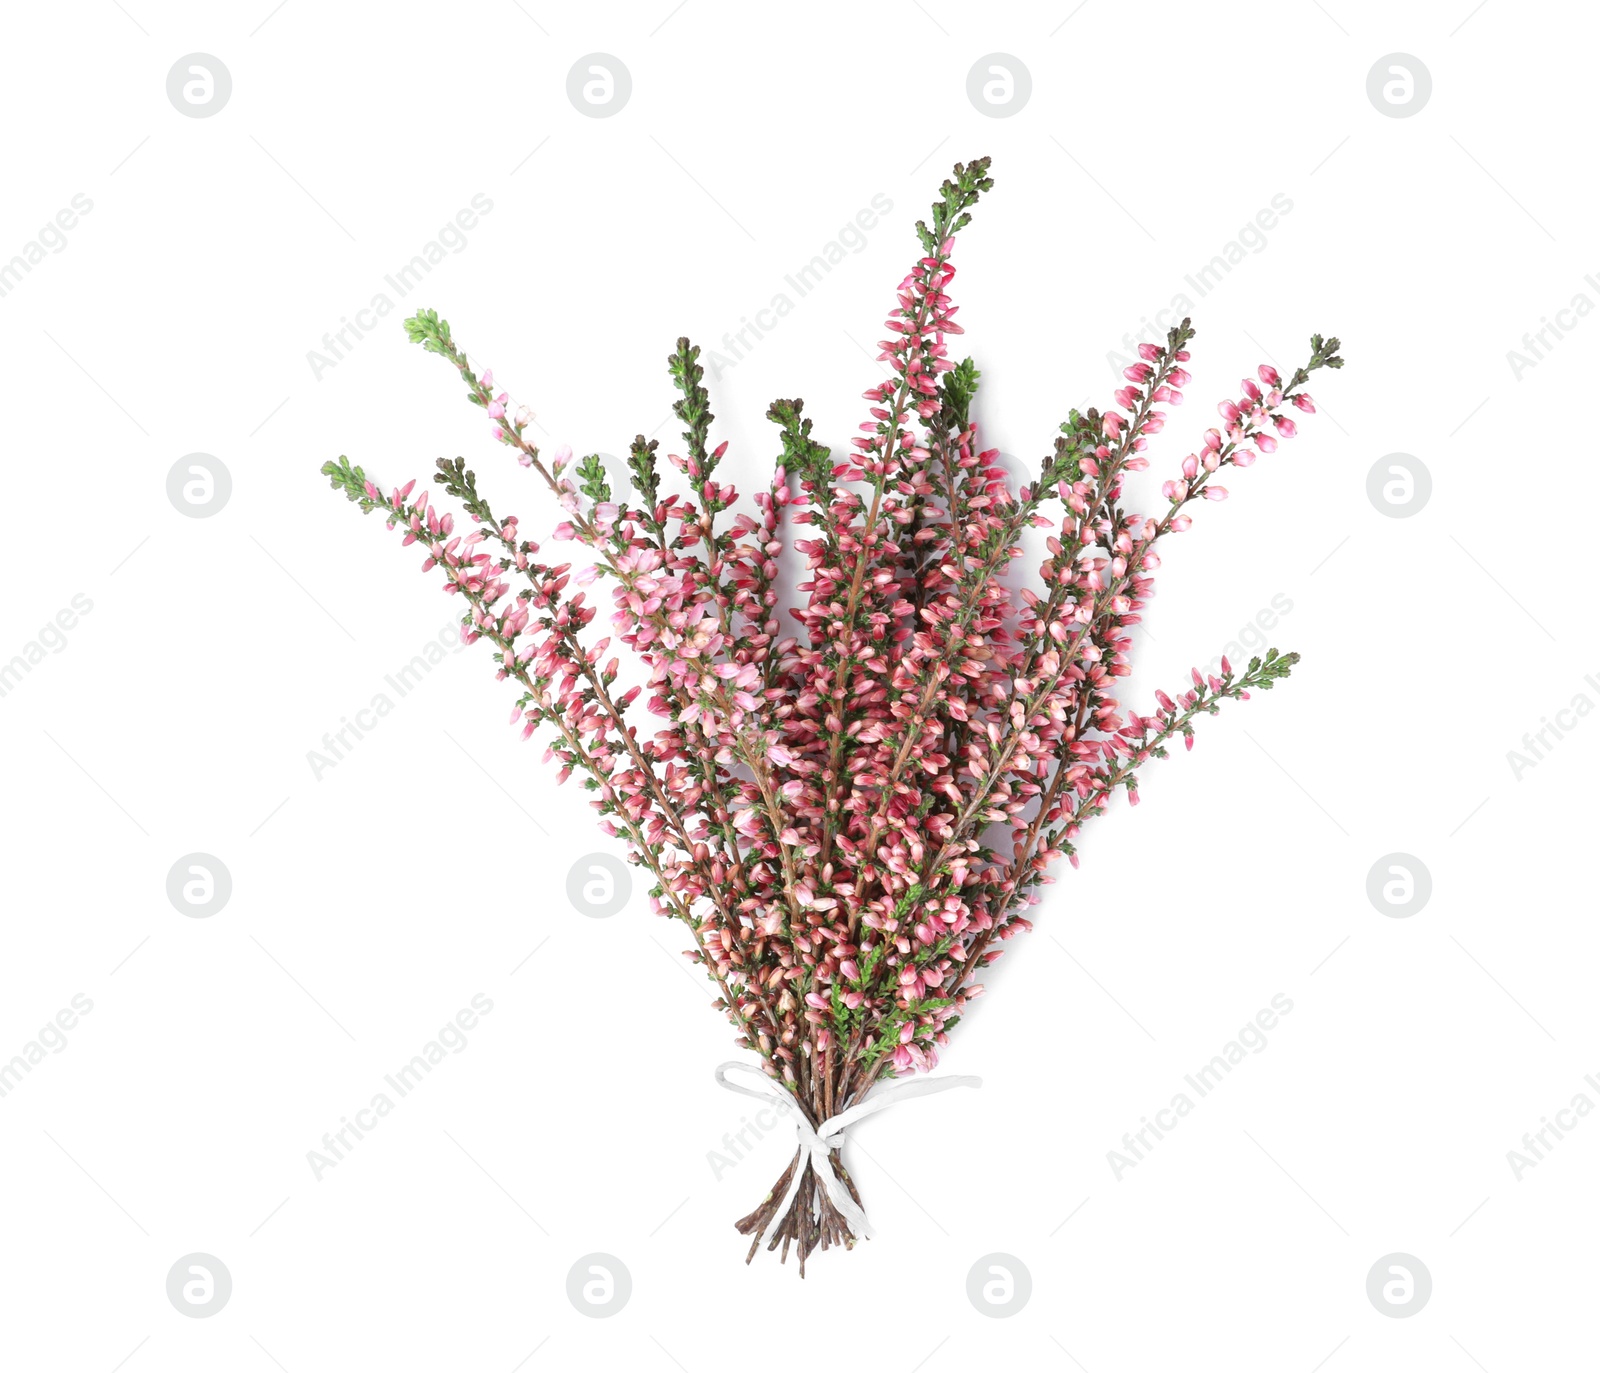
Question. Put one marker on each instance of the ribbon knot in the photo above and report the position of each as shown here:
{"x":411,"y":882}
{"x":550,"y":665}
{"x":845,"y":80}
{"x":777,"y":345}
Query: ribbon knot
{"x":819,"y":1142}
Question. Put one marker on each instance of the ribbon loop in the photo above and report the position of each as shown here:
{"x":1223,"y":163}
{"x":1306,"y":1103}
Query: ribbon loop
{"x":821,"y":1141}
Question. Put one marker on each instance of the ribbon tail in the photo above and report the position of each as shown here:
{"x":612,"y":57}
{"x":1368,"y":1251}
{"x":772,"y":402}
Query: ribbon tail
{"x":838,"y":1193}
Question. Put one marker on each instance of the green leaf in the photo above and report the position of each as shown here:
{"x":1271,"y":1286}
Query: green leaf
{"x":592,"y":479}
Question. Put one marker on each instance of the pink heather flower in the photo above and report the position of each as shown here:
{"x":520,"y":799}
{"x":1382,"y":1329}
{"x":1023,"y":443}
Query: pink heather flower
{"x":844,"y":690}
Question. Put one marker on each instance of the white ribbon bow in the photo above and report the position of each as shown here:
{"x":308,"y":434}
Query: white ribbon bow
{"x":821,"y":1141}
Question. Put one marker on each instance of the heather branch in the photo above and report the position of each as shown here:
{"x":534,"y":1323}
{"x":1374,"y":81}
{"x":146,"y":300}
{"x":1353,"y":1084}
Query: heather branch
{"x":1095,"y":789}
{"x":462,"y":483}
{"x":1323,"y":355}
{"x":950,"y":215}
{"x":975,"y":583}
{"x":359,"y":489}
{"x":427,"y":328}
{"x":1261,"y":673}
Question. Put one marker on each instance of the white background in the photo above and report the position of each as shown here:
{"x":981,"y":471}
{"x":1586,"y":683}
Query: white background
{"x":370,"y":905}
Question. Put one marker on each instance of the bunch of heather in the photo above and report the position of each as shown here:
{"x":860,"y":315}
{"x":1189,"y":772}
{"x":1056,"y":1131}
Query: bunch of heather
{"x":850,"y":810}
